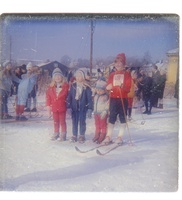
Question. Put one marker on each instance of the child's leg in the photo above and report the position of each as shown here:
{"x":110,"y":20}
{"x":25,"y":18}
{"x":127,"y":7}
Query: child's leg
{"x":75,"y":117}
{"x":56,"y":122}
{"x":103,"y":124}
{"x":82,"y":121}
{"x":62,"y":122}
{"x":97,"y":127}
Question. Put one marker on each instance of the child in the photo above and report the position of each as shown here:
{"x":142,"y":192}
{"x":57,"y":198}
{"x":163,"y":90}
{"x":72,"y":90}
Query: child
{"x":6,"y":80}
{"x":56,"y":103}
{"x":101,"y":105}
{"x":80,"y":101}
{"x":119,"y":84}
{"x":25,"y":87}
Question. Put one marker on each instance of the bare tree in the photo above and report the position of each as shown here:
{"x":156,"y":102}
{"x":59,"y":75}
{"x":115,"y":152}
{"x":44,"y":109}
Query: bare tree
{"x":66,"y":60}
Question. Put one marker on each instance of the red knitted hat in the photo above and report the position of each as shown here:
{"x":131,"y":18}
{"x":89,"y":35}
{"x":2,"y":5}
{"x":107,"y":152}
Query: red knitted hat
{"x":122,"y":58}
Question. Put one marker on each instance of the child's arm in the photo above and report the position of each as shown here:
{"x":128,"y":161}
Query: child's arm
{"x":106,"y":108}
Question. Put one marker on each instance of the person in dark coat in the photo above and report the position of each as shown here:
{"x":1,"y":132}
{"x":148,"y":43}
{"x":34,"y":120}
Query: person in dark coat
{"x":155,"y":88}
{"x":80,"y":101}
{"x":6,"y":82}
{"x":147,"y":92}
{"x":162,"y":83}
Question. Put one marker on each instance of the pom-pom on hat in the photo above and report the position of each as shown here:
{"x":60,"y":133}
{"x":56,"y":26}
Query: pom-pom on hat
{"x":57,"y":71}
{"x":29,"y":65}
{"x":122,"y":58}
{"x":101,"y":85}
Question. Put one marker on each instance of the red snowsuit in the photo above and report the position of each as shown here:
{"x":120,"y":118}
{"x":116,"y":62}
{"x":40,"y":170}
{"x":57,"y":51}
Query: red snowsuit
{"x":58,"y":105}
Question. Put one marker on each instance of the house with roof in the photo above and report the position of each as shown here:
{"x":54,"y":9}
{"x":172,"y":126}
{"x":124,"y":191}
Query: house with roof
{"x":173,"y":66}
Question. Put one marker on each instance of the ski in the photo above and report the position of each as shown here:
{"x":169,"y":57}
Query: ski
{"x":88,"y":150}
{"x":106,"y":152}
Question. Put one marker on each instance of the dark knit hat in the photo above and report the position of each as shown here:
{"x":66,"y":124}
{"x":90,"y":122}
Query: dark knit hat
{"x":57,"y":71}
{"x":101,"y":85}
{"x":122,"y":58}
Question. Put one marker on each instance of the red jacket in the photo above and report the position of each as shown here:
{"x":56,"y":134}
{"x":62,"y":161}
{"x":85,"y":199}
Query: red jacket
{"x":121,"y":84}
{"x":58,"y":103}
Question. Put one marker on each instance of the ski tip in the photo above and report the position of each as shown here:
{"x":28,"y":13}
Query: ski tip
{"x":76,"y":148}
{"x":98,"y":152}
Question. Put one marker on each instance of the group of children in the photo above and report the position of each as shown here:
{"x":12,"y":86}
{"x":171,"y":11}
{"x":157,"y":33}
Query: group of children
{"x":108,"y":101}
{"x":25,"y":83}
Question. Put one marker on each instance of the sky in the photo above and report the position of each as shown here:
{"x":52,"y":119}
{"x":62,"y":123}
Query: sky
{"x":42,"y":37}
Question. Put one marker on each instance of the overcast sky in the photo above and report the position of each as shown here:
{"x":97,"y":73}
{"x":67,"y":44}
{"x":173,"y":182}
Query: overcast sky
{"x":53,"y":37}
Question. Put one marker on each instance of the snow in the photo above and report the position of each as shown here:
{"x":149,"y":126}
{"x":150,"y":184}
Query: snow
{"x":32,"y":162}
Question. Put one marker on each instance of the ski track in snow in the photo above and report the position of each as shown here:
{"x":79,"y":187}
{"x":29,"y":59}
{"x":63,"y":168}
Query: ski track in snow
{"x":32,"y":162}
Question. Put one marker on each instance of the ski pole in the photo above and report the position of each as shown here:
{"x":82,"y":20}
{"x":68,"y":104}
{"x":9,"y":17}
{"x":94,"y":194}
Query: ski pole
{"x":130,"y":140}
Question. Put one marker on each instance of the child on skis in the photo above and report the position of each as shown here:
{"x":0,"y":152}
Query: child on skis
{"x":56,"y":103}
{"x":119,"y":84}
{"x":101,"y":105}
{"x":80,"y":101}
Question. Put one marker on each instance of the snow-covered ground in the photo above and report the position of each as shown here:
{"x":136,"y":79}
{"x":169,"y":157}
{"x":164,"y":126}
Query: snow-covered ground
{"x":32,"y":162}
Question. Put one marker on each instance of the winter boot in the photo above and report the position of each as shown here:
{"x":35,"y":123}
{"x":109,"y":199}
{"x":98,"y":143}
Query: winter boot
{"x":161,"y":106}
{"x":107,"y":140}
{"x":27,"y":110}
{"x":62,"y":137}
{"x":96,"y":137}
{"x":34,"y":110}
{"x":145,"y":112}
{"x":81,"y":139}
{"x":17,"y":118}
{"x":23,"y":118}
{"x":101,"y":138}
{"x":73,"y":138}
{"x":55,"y":136}
{"x":7,"y":116}
{"x":119,"y":141}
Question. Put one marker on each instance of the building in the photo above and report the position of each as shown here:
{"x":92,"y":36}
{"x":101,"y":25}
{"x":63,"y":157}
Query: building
{"x":173,"y":66}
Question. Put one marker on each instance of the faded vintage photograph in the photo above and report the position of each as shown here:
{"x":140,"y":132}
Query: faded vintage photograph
{"x":89,"y":102}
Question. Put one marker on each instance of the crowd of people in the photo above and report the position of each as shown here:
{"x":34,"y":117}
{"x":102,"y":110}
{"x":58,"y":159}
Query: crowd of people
{"x":111,"y":98}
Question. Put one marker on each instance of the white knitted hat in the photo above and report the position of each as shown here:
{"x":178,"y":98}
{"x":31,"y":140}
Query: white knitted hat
{"x":29,"y":65}
{"x":57,"y":71}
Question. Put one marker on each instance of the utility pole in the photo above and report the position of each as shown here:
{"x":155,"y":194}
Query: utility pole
{"x":10,"y":48}
{"x":91,"y":46}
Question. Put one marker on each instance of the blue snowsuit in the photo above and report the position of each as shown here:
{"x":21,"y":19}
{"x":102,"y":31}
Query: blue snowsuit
{"x":79,"y":108}
{"x":25,"y":87}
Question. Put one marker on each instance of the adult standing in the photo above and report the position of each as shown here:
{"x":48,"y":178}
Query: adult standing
{"x":155,"y":88}
{"x":6,"y":82}
{"x":146,"y":92}
{"x":162,"y":83}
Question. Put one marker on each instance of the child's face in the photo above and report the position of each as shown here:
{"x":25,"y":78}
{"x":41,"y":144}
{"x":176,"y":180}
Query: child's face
{"x":79,"y":78}
{"x":118,"y":65}
{"x":58,"y":78}
{"x":100,"y":91}
{"x":29,"y":70}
